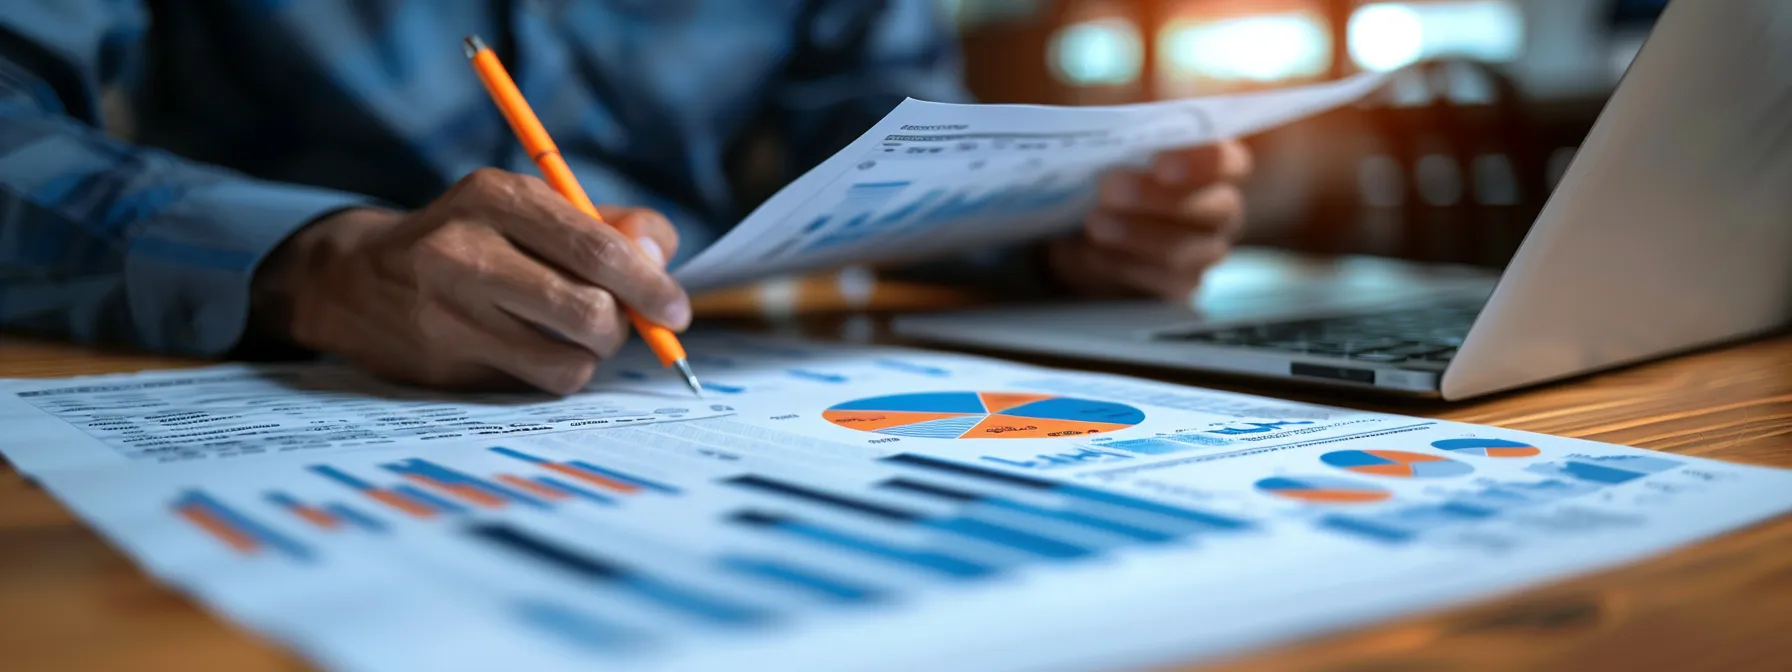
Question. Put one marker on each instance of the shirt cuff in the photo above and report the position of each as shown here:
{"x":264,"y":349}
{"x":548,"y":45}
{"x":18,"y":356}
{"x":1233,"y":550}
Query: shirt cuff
{"x":188,"y":270}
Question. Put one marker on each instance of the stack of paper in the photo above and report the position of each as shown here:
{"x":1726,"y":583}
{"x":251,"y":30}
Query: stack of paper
{"x":830,"y":508}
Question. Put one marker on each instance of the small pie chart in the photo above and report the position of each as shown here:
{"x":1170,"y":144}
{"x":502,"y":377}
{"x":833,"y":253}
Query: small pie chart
{"x":1396,"y":463}
{"x":1323,"y":489}
{"x":983,"y":415}
{"x":1487,"y":447}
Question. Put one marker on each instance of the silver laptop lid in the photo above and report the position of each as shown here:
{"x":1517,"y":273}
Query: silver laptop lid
{"x":1672,"y":228}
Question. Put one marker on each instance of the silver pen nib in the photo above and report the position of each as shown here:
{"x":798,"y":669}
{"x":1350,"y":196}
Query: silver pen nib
{"x":690,"y":377}
{"x":472,"y":45}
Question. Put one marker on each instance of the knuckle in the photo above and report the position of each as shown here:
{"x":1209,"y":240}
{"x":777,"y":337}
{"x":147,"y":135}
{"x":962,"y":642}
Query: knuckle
{"x":606,"y":251}
{"x":448,"y":246}
{"x":593,"y":311}
{"x":488,"y":179}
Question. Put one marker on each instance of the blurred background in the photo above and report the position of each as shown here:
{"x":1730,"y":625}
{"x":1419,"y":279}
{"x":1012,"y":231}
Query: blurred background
{"x":1488,"y":104}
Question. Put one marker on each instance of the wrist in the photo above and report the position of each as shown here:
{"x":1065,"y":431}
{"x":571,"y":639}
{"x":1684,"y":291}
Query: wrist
{"x":286,"y":287}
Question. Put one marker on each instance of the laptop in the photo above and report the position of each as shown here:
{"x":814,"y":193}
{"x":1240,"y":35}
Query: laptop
{"x":1670,"y":231}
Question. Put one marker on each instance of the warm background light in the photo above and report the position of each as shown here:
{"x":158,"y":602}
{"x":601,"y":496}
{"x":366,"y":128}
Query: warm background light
{"x":1262,"y":48}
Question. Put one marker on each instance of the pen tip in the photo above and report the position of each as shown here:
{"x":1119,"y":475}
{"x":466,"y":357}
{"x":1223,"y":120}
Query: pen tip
{"x":690,"y":377}
{"x":472,"y":45}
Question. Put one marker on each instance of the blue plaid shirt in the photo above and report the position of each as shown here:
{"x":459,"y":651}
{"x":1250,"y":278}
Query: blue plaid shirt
{"x":249,"y":118}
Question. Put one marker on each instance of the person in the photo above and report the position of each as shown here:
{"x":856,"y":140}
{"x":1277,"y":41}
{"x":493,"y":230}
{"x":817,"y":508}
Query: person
{"x":260,"y":179}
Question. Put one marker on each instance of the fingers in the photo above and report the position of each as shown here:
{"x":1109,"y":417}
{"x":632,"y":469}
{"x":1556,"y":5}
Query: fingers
{"x":1210,"y":207}
{"x":1225,"y":161}
{"x":459,"y":345}
{"x":1161,"y":243}
{"x":1100,"y":271}
{"x":649,"y":229}
{"x":543,"y":223}
{"x":513,"y":285}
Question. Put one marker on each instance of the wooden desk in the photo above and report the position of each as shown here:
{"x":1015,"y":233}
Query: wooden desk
{"x":70,"y":602}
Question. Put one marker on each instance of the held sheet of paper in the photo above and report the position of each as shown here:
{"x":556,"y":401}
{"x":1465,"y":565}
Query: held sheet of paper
{"x":933,"y":179}
{"x":835,"y":508}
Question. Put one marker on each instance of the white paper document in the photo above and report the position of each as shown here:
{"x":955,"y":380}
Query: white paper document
{"x":232,"y":411}
{"x":933,"y":179}
{"x":860,"y":508}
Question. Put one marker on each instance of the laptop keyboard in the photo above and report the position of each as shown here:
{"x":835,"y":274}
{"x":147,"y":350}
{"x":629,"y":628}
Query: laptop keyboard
{"x":1425,"y":334}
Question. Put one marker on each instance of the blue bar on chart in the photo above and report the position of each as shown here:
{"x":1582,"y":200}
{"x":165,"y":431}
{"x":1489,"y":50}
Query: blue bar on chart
{"x":404,"y":498}
{"x":817,"y":376}
{"x":1164,"y":445}
{"x":1518,"y":495}
{"x":578,"y":628}
{"x":421,"y":495}
{"x":808,"y":581}
{"x":964,"y":526}
{"x":354,"y":517}
{"x":597,"y":570}
{"x":1200,"y":519}
{"x":608,"y":479}
{"x":310,"y":514}
{"x":1366,"y":528}
{"x":476,"y":490}
{"x":574,"y":490}
{"x":630,"y":479}
{"x":1097,"y":523}
{"x":911,"y":367}
{"x":942,"y":564}
{"x":236,"y":530}
{"x":1405,"y":523}
{"x":1604,"y":470}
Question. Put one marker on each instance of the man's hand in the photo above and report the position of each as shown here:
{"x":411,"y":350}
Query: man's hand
{"x":499,"y":280}
{"x":1155,"y":232}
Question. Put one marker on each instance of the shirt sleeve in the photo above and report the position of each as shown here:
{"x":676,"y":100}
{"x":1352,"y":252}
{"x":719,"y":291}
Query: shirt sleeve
{"x":856,"y":63}
{"x":103,"y":241}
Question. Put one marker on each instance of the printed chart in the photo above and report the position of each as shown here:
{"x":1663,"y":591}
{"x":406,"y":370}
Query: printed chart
{"x":1484,"y":447}
{"x":1323,"y":489}
{"x":410,"y":488}
{"x":1396,"y":463}
{"x":983,"y":415}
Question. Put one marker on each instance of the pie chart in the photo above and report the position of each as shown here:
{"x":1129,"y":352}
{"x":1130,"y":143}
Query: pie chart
{"x":1396,"y":463}
{"x":1487,"y":447}
{"x":1323,"y":489}
{"x":983,"y":415}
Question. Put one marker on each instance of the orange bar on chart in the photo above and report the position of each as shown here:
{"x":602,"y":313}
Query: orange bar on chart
{"x":594,"y":479}
{"x":316,"y":517}
{"x":470,"y":494}
{"x":231,"y":536}
{"x":402,"y":503}
{"x":531,"y":487}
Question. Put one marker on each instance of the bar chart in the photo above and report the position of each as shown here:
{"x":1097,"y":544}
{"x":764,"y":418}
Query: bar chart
{"x":1608,"y":470}
{"x":1490,"y":500}
{"x":414,"y":489}
{"x":238,"y":531}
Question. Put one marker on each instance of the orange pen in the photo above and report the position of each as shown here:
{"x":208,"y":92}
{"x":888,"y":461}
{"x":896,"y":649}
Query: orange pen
{"x":553,"y":168}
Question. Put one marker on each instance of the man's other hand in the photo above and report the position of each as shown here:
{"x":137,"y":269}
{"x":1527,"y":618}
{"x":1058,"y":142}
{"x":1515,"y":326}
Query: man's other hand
{"x":499,"y":281}
{"x":1156,"y":231}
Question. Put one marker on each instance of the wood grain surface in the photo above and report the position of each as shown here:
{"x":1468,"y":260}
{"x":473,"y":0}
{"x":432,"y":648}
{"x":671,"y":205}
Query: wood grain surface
{"x":68,"y":601}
